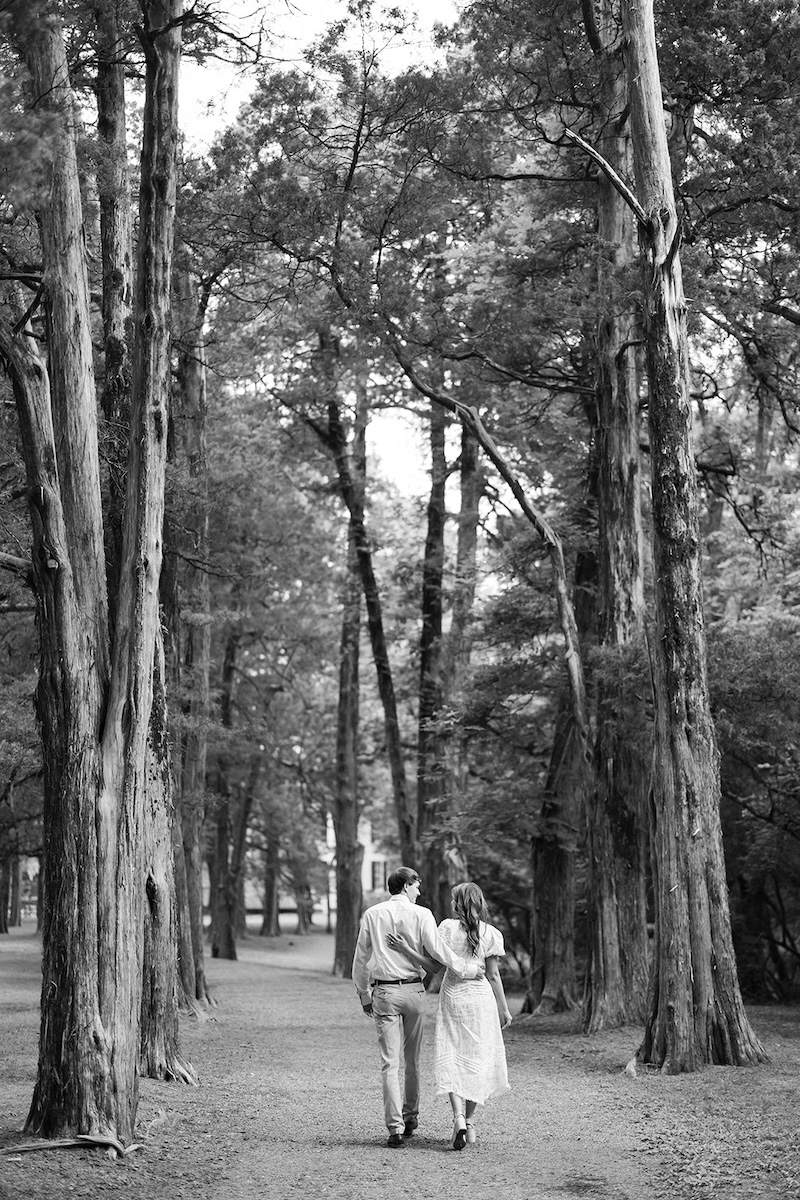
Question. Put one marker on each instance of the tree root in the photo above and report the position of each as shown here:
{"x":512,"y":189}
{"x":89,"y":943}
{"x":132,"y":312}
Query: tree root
{"x":81,"y":1139}
{"x":182,"y":1071}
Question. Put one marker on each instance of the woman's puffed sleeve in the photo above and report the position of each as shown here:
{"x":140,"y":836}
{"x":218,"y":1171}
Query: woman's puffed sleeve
{"x":495,"y":946}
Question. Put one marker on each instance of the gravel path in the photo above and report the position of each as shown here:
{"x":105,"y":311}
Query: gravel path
{"x":289,"y":1107}
{"x":313,"y":1123}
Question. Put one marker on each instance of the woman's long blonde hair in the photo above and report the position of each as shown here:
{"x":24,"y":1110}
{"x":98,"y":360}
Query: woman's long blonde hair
{"x":469,"y":906}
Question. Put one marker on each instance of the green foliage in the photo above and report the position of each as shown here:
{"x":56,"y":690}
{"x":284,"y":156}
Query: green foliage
{"x":25,"y":148}
{"x":755,"y":668}
{"x":441,"y":214}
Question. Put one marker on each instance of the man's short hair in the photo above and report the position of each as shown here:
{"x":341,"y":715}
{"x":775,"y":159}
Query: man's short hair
{"x":399,"y":878}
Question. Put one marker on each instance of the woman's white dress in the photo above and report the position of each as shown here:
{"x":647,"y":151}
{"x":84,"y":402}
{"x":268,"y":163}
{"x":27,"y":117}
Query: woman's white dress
{"x":469,"y":1054}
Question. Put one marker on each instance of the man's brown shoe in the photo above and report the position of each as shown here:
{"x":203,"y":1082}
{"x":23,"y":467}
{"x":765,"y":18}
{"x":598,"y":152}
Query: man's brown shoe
{"x":395,"y":1140}
{"x":411,"y":1125}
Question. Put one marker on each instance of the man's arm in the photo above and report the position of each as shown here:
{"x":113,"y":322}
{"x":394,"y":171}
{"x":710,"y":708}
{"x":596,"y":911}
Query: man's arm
{"x":360,"y":963}
{"x":429,"y":965}
{"x":437,"y":947}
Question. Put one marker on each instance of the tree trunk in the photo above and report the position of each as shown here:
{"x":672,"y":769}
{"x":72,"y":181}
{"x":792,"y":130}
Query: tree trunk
{"x":553,"y":984}
{"x":116,"y":248}
{"x":193,"y":639}
{"x":15,"y":891}
{"x":271,"y":924}
{"x":336,"y":442}
{"x":223,"y":942}
{"x":441,"y":861}
{"x":94,"y":726}
{"x":431,"y":778}
{"x":231,"y":825}
{"x":5,"y":893}
{"x":78,"y":1086}
{"x":139,"y":866}
{"x":696,"y":1015}
{"x":186,"y":983}
{"x":617,"y":845}
{"x":160,"y":1057}
{"x":349,"y":852}
{"x":560,"y":827}
{"x":456,"y":653}
{"x":234,"y":891}
{"x":159,"y":1006}
{"x":305,"y":908}
{"x":457,"y":644}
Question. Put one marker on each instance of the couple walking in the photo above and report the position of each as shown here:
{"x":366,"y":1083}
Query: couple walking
{"x":398,"y":943}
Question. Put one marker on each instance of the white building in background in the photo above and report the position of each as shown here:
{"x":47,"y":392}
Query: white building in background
{"x":376,"y":865}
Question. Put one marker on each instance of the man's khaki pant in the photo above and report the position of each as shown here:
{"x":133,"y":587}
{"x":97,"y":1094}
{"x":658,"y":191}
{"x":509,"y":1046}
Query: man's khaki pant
{"x":399,"y":1012}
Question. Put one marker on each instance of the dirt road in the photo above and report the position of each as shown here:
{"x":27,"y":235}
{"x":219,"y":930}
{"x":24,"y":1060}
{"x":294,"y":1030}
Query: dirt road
{"x":289,"y":1107}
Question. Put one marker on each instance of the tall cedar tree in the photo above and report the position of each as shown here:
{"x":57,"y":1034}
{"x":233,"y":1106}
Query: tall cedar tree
{"x":696,"y":1015}
{"x":95,"y":691}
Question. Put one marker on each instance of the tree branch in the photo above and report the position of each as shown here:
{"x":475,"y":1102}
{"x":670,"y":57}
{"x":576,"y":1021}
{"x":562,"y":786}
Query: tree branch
{"x":19,"y":566}
{"x":614,"y":179}
{"x":471,"y":421}
{"x":781,"y":310}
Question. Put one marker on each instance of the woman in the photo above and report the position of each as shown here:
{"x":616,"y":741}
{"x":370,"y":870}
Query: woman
{"x":469,"y":1055}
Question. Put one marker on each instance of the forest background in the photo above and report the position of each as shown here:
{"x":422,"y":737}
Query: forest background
{"x":511,"y":675}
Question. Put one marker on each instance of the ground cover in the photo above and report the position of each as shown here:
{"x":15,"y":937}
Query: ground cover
{"x":288,"y":1106}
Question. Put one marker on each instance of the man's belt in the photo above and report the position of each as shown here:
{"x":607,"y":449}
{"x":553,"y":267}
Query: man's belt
{"x":391,"y":982}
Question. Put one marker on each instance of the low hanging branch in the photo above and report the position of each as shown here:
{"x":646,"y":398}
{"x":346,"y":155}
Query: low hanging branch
{"x":662,"y":259}
{"x":472,"y":422}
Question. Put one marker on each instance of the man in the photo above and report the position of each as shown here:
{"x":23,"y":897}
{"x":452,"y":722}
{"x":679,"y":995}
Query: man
{"x":391,"y":991}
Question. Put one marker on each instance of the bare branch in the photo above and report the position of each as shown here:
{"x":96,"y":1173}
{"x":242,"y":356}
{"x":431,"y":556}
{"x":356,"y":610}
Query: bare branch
{"x":614,"y":179}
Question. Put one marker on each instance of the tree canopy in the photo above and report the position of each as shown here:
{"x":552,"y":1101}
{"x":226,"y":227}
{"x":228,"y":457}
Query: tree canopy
{"x":563,"y":257}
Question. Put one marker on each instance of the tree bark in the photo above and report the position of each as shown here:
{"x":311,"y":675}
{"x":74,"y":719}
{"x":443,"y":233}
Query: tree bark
{"x":441,"y":860}
{"x":159,"y":1008}
{"x":192,"y":638}
{"x":186,"y":983}
{"x":223,"y":941}
{"x":617,"y":845}
{"x":94,"y":725}
{"x":15,"y":905}
{"x":271,"y":924}
{"x":431,"y":777}
{"x":5,"y":893}
{"x":457,"y":644}
{"x":160,"y":1056}
{"x":696,"y":1015}
{"x":128,"y":749}
{"x":236,"y":873}
{"x":349,"y":852}
{"x":116,"y":248}
{"x":553,"y":985}
{"x":78,"y":1085}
